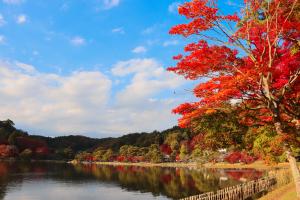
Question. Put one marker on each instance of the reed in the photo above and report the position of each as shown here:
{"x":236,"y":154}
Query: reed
{"x":282,"y":176}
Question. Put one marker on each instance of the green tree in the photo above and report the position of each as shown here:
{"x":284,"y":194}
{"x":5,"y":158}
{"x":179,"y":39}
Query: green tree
{"x":108,"y":155}
{"x":26,"y":154}
{"x":183,"y":152}
{"x":196,"y":153}
{"x":12,"y":137}
{"x":223,"y":124}
{"x":98,"y":155}
{"x":154,"y":155}
{"x":124,"y":150}
{"x":82,"y":156}
{"x":68,"y":153}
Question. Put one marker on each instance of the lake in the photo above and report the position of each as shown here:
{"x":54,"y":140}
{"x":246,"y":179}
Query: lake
{"x":52,"y":181}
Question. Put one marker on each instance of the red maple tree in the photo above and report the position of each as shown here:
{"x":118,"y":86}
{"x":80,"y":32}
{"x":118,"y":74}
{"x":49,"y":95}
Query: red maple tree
{"x":251,"y":59}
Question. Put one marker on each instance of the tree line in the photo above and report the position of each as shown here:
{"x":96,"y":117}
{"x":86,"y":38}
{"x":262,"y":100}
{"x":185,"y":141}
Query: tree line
{"x":218,"y":136}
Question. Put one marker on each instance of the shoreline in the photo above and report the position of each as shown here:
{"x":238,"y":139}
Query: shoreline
{"x":256,"y":165}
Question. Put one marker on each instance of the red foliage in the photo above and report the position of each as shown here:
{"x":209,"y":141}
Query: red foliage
{"x":135,"y":159}
{"x":267,"y":66}
{"x":121,"y":158}
{"x":89,"y":158}
{"x":44,"y":151}
{"x":3,"y":169}
{"x":233,"y":157}
{"x":166,"y":149}
{"x":130,"y":159}
{"x":29,"y":143}
{"x":140,"y":158}
{"x":237,"y":157}
{"x":191,"y":183}
{"x":166,"y":178}
{"x":248,"y":174}
{"x":177,"y":158}
{"x":247,"y":159}
{"x":7,"y":151}
{"x":197,"y":140}
{"x":120,"y":168}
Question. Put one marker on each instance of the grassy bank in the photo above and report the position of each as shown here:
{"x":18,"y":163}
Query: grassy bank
{"x":286,"y":192}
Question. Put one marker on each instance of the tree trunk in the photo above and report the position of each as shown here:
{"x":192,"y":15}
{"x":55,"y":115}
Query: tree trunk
{"x":292,"y":161}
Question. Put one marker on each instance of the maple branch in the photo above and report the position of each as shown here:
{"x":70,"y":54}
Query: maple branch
{"x":281,"y":30}
{"x":294,"y":114}
{"x":211,"y":38}
{"x":238,"y":42}
{"x":290,"y":83}
{"x":269,"y":40}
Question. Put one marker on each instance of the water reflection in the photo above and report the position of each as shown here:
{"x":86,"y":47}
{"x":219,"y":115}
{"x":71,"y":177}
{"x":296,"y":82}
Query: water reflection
{"x":62,"y":181}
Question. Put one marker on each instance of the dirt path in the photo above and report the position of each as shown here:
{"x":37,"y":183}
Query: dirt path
{"x":286,"y":192}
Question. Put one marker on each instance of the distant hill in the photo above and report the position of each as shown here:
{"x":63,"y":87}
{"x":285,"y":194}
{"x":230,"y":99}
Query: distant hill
{"x":66,"y":147}
{"x":83,"y":143}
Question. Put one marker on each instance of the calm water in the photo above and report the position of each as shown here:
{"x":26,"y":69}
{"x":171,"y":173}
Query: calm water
{"x":35,"y":181}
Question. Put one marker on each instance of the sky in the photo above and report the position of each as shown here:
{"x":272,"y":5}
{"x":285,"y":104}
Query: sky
{"x":95,"y":68}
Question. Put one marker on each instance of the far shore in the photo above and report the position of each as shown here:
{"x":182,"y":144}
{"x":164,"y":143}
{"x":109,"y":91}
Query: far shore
{"x":255,"y":165}
{"x":221,"y":165}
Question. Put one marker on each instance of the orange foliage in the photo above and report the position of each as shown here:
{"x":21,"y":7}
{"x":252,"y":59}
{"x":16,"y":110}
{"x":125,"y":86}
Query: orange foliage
{"x":233,"y":70}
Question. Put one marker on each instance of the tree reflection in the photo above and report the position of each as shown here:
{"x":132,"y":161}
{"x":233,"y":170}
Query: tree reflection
{"x":171,"y":182}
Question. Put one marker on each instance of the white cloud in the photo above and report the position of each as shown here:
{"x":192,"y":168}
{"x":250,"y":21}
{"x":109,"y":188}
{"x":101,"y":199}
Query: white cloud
{"x":108,"y":4}
{"x":119,"y":30}
{"x":2,"y":39}
{"x":139,"y":97}
{"x":84,"y":102}
{"x":139,"y":49}
{"x":170,"y":43}
{"x":155,"y":28}
{"x":27,"y":68}
{"x":13,"y":2}
{"x":173,"y":7}
{"x":233,"y":4}
{"x":45,"y":100}
{"x":21,"y":19}
{"x":78,"y":41}
{"x":149,"y":30}
{"x":149,"y":77}
{"x":2,"y":20}
{"x":124,"y":68}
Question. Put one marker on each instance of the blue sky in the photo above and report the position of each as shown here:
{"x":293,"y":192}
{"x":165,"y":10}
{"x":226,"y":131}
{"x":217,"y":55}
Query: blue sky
{"x":104,"y":33}
{"x":98,"y":66}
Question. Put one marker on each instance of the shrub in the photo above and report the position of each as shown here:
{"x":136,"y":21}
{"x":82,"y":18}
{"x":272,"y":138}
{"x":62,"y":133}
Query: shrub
{"x":121,"y":158}
{"x":237,"y":157}
{"x":7,"y":151}
{"x":247,"y":159}
{"x":234,"y":157}
{"x":166,"y":149}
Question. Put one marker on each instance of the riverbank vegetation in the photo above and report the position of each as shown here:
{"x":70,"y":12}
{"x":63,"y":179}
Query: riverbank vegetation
{"x":200,"y":144}
{"x":248,"y":99}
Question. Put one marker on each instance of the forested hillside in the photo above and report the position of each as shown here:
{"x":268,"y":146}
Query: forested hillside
{"x":214,"y":137}
{"x":15,"y":142}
